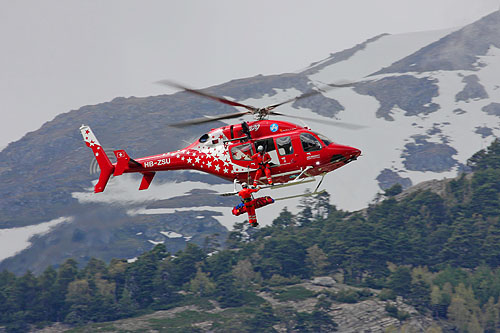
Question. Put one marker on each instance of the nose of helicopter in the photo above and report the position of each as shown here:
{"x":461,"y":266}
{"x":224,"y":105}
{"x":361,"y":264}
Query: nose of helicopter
{"x":344,"y":153}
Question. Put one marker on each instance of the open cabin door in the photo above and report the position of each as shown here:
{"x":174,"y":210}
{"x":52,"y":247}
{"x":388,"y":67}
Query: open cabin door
{"x":270,"y":148}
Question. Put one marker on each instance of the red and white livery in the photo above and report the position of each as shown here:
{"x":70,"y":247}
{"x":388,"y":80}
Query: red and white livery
{"x":296,"y":153}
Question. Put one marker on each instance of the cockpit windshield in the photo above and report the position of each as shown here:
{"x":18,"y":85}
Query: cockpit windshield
{"x":323,"y":138}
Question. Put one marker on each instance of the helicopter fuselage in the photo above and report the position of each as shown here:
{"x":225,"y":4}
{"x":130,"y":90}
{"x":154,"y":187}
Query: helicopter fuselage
{"x":226,"y":152}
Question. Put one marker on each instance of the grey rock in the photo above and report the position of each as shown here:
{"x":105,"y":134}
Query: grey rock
{"x":484,"y":131}
{"x":326,"y":281}
{"x":472,"y":90}
{"x":407,"y":92}
{"x":492,"y":109}
{"x":428,"y":156}
{"x":321,"y":105}
{"x":388,"y":178}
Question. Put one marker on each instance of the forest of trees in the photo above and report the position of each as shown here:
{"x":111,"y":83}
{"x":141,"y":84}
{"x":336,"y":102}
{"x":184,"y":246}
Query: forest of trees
{"x":441,"y":253}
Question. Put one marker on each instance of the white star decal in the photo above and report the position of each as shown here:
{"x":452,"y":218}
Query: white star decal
{"x":217,"y":167}
{"x":189,"y":160}
{"x":225,"y":170}
{"x":197,"y":159}
{"x":209,"y":164}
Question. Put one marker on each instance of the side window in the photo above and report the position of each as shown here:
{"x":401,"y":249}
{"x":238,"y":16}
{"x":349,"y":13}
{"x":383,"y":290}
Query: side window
{"x":309,"y":142}
{"x":242,"y":152}
{"x":284,"y":145}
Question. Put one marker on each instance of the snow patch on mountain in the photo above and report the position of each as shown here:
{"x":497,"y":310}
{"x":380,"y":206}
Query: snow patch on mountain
{"x":14,"y":240}
{"x":171,"y":234}
{"x":123,"y":191}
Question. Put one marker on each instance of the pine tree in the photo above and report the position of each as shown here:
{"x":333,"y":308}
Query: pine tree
{"x":317,"y":260}
{"x":458,"y":313}
{"x":201,"y":284}
{"x":244,"y":273}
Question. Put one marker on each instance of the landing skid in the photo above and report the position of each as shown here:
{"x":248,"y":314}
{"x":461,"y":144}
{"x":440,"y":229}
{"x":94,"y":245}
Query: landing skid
{"x":291,"y":183}
{"x":281,"y":185}
{"x":228,"y":194}
{"x":300,"y":195}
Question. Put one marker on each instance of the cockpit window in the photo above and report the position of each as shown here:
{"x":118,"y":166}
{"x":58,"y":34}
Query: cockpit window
{"x":309,"y":142}
{"x":204,"y":138}
{"x":323,"y":138}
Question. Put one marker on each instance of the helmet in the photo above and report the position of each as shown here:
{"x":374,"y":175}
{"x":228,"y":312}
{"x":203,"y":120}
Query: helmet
{"x":260,"y":148}
{"x":244,"y":185}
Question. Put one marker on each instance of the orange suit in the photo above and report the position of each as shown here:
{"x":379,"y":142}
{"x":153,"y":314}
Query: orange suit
{"x":246,"y":195}
{"x":262,"y":160}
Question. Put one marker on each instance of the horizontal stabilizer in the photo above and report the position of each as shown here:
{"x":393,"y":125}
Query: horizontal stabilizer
{"x":123,"y":162}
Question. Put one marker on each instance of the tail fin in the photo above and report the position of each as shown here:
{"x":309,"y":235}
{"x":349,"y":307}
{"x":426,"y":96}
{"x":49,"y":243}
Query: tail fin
{"x":102,"y":159}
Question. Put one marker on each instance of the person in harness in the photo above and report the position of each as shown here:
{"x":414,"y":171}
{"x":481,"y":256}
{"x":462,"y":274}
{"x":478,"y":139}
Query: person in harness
{"x":262,"y":159}
{"x":249,"y":202}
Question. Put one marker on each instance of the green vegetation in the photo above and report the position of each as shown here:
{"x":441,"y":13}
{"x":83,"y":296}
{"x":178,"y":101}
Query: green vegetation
{"x":393,"y":311}
{"x":441,"y":253}
{"x":295,"y":293}
{"x":351,"y":295}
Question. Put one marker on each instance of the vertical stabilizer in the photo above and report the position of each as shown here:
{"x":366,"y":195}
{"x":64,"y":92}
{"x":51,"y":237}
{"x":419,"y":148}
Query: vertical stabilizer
{"x":102,"y":159}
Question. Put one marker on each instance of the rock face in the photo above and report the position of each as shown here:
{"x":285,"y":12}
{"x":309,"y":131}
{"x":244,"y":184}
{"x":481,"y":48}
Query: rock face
{"x":325,"y":281}
{"x":387,"y":178}
{"x":429,"y":156}
{"x":492,"y":109}
{"x":371,"y":316}
{"x":456,"y":51}
{"x":400,"y":91}
{"x":472,"y":90}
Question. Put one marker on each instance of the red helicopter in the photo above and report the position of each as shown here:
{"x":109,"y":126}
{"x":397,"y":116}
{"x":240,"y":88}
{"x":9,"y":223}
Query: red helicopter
{"x":297,"y":153}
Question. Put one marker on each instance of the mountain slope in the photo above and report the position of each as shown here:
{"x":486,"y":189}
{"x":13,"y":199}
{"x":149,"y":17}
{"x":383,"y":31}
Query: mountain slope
{"x":421,"y":124}
{"x":424,"y":259}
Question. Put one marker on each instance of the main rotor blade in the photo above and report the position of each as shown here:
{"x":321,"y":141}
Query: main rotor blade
{"x":203,"y":94}
{"x":311,"y":93}
{"x":208,"y":119}
{"x":324,"y":121}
